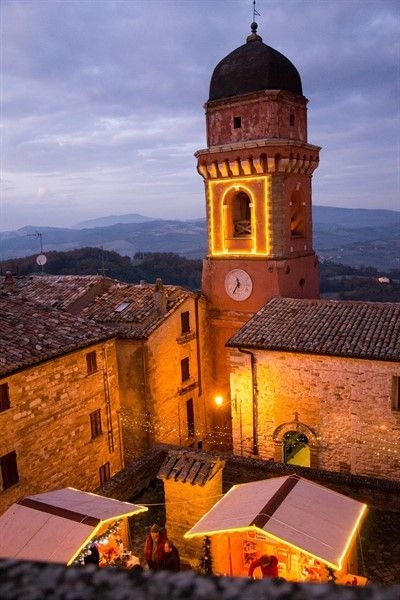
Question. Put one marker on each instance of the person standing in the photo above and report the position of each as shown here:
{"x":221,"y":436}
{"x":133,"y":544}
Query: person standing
{"x":172,"y":561}
{"x":154,"y":547}
{"x":93,"y":556}
{"x":268,"y":565}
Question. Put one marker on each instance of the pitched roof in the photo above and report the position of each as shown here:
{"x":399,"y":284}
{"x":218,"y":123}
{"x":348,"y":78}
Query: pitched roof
{"x":301,"y":513}
{"x":59,"y":291}
{"x":368,"y":330}
{"x":190,"y":467}
{"x":31,"y":333}
{"x":133,"y":308}
{"x":55,"y":526}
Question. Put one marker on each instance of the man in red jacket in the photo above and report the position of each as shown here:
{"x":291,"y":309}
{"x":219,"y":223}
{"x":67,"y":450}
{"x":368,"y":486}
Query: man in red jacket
{"x":268,"y":565}
{"x":154,"y":547}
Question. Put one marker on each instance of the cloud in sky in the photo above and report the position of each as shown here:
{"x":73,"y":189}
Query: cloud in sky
{"x":103,"y":101}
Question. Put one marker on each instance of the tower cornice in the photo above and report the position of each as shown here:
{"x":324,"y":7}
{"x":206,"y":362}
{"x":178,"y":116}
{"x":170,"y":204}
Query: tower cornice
{"x":259,"y":157}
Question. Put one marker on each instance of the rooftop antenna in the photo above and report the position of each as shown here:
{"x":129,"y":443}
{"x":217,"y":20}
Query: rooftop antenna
{"x":41,"y":259}
{"x":103,"y":267}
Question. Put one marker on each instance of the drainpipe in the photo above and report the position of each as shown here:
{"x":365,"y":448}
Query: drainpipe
{"x":107,"y":394}
{"x":149,"y":417}
{"x":254,"y":388}
{"x":196,"y":312}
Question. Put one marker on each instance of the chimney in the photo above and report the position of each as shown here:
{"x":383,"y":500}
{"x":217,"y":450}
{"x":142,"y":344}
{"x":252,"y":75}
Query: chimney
{"x":9,"y":282}
{"x":160,"y":297}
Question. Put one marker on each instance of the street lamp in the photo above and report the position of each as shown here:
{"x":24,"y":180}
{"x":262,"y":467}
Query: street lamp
{"x":218,"y":399}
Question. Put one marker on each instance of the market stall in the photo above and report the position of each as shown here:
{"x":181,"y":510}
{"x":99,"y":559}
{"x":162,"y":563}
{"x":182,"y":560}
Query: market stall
{"x":62,"y":526}
{"x":309,"y":528}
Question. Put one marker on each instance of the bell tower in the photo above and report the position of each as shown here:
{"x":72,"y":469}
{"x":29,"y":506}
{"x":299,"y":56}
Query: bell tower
{"x":257,"y":170}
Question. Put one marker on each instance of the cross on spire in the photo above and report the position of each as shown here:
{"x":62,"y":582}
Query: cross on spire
{"x":255,"y":13}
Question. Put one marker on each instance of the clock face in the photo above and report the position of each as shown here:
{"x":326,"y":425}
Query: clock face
{"x":238,"y":284}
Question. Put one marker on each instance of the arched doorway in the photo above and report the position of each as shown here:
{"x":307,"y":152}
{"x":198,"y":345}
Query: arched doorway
{"x":296,"y":444}
{"x":295,"y":449}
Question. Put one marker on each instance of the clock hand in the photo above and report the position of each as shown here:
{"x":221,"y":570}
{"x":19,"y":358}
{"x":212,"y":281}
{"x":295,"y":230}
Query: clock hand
{"x":236,"y":286}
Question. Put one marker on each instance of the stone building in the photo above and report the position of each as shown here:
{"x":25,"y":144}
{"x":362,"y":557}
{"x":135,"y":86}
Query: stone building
{"x":316,"y":383}
{"x":59,"y":401}
{"x":160,"y":352}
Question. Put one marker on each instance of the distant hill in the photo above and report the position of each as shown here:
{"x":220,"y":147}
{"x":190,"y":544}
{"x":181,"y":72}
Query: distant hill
{"x":355,"y":237}
{"x":113,"y":220}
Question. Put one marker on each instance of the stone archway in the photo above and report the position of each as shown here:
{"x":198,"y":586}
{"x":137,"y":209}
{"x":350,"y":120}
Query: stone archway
{"x":300,"y":433}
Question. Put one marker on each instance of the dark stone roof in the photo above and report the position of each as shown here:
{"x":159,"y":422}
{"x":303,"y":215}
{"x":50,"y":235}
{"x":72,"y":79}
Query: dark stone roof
{"x":141,"y":316}
{"x":253,"y":67}
{"x":130,"y":308}
{"x":369,"y":330}
{"x":59,"y":291}
{"x":190,"y":467}
{"x":32,"y":333}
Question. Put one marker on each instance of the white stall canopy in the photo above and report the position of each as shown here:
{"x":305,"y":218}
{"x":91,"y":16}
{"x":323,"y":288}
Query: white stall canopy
{"x":54,"y":526}
{"x":290,"y":510}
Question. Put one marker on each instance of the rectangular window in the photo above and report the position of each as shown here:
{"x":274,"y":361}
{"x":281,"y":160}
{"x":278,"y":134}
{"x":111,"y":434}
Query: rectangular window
{"x":95,"y":424}
{"x":190,"y":417}
{"x":185,"y":373}
{"x":396,"y":394}
{"x":4,"y":397}
{"x":9,"y":470}
{"x":91,"y":362}
{"x":185,"y":322}
{"x":104,"y":473}
{"x":291,"y":120}
{"x":237,"y":122}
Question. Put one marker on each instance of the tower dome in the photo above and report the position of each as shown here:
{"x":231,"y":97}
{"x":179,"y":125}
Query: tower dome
{"x":253,"y":67}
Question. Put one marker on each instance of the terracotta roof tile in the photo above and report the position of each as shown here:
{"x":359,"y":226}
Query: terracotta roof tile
{"x":129,"y":307}
{"x":368,"y":330}
{"x":190,"y":467}
{"x":59,"y":291}
{"x":31,"y":333}
{"x":133,"y":309}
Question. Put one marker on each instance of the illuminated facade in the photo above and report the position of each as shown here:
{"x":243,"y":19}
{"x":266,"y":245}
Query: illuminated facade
{"x":257,"y":170}
{"x":59,"y":402}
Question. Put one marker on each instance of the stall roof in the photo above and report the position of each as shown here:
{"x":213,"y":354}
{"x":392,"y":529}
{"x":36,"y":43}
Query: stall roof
{"x":292,"y":510}
{"x":55,"y":526}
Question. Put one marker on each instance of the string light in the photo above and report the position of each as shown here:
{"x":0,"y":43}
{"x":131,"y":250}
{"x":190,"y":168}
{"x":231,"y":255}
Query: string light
{"x":102,"y":539}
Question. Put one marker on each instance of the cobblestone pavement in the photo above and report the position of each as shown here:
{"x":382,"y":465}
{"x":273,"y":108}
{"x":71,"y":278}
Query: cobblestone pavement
{"x":378,"y":544}
{"x":379,"y":547}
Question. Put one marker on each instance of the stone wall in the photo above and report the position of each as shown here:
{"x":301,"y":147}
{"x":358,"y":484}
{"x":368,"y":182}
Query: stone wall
{"x":346,"y":403}
{"x":48,"y":424}
{"x":186,"y":504}
{"x":153,"y":397}
{"x":35,"y":580}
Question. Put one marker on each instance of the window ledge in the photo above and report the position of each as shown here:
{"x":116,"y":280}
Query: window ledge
{"x":186,"y":387}
{"x":186,"y":337}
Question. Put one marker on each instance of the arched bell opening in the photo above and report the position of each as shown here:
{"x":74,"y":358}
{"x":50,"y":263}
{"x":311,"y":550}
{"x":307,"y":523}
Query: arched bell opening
{"x":238,"y":219}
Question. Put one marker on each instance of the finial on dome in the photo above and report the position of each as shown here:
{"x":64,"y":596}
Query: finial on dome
{"x":253,"y":37}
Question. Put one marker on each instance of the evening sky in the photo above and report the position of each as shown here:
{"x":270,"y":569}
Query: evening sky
{"x":102,"y":101}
